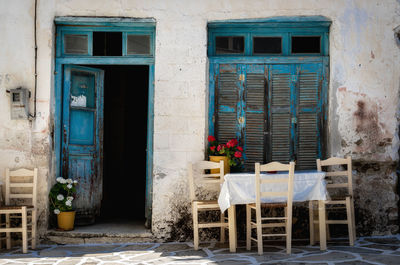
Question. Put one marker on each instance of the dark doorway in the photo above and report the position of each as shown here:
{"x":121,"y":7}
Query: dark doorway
{"x":124,"y":146}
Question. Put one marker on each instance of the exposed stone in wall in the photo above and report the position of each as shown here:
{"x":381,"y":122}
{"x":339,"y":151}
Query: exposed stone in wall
{"x":376,"y":197}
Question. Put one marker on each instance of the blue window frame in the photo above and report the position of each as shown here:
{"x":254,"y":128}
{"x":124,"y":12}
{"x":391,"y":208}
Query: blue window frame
{"x":273,"y":102}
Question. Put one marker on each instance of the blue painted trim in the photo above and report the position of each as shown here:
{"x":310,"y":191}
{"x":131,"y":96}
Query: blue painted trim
{"x":279,"y":19}
{"x":106,"y":60}
{"x":105,"y":21}
{"x":266,"y":59}
{"x":214,"y":69}
{"x":149,"y":158}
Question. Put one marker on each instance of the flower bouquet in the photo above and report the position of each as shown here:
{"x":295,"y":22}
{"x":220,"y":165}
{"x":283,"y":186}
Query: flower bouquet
{"x":231,"y":150}
{"x":61,"y":196}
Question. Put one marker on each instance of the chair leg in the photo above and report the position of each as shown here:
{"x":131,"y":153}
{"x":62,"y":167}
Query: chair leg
{"x":8,"y":234}
{"x":259,"y":232}
{"x":34,"y":228}
{"x":222,"y":229}
{"x":353,"y":219}
{"x":322,"y":225}
{"x":311,"y":218}
{"x":328,"y":232}
{"x":195,"y":227}
{"x":349,"y":221}
{"x":288,"y":214}
{"x":24,"y":231}
{"x":248,"y":227}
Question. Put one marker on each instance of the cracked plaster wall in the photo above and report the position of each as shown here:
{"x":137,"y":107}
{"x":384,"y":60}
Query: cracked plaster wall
{"x":363,"y":93}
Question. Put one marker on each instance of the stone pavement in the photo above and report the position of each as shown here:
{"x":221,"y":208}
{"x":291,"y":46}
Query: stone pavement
{"x":368,"y":250}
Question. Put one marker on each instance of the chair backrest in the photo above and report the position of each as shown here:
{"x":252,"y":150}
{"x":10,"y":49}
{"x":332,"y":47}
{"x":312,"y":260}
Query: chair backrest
{"x":275,"y":166}
{"x":202,"y":172}
{"x":334,"y":176}
{"x":21,"y":185}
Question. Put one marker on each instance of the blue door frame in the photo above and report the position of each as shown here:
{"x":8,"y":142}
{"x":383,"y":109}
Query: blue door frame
{"x":132,"y":26}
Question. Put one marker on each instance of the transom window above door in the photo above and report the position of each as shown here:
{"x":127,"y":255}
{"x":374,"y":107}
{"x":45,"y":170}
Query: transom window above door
{"x":266,"y":37}
{"x":268,"y":88}
{"x":104,"y":40}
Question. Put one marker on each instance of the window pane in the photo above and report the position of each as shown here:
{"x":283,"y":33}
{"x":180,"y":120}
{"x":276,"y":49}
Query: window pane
{"x":82,"y":90}
{"x":75,"y":44}
{"x":229,"y":45}
{"x":107,"y":43}
{"x":138,"y":44}
{"x":267,"y":45}
{"x":306,"y":44}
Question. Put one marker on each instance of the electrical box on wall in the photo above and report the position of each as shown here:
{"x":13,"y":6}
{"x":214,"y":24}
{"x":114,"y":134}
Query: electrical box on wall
{"x":19,"y":103}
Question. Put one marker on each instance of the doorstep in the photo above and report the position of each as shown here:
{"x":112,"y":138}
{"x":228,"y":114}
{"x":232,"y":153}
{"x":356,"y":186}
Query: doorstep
{"x":110,"y":232}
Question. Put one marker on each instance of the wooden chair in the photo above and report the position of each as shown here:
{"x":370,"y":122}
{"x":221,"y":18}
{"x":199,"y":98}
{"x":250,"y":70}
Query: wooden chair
{"x":335,"y":183}
{"x":261,"y":222}
{"x":20,"y":187}
{"x":200,"y":173}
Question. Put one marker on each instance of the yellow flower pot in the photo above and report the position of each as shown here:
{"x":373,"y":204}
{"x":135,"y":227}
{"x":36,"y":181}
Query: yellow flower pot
{"x":217,"y":159}
{"x":66,"y":220}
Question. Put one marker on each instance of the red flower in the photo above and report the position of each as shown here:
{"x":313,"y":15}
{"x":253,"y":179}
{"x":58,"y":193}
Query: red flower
{"x":240,"y":148}
{"x":211,"y":138}
{"x":232,"y":143}
{"x":221,"y":146}
{"x":238,"y":154}
{"x":212,"y":148}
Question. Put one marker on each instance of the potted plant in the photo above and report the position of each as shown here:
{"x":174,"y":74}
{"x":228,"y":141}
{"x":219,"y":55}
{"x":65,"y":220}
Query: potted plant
{"x":61,"y":196}
{"x":230,"y":153}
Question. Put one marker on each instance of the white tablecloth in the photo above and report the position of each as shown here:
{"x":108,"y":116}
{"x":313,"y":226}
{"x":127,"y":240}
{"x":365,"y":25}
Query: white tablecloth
{"x":239,"y":188}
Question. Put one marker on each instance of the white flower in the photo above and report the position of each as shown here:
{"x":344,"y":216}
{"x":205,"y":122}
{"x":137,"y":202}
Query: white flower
{"x":69,"y":186}
{"x":75,"y":181}
{"x":56,"y":211}
{"x":69,"y":181}
{"x":61,"y":180}
{"x":70,"y":198}
{"x":60,"y":197}
{"x":68,"y":203}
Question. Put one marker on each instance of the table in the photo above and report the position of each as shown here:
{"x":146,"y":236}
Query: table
{"x":239,"y":188}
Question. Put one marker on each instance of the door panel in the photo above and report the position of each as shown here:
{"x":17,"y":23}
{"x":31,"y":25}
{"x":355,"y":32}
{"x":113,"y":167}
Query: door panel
{"x":82,"y":137}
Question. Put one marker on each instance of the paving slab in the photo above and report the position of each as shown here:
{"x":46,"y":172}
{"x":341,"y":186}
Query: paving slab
{"x":367,"y":250}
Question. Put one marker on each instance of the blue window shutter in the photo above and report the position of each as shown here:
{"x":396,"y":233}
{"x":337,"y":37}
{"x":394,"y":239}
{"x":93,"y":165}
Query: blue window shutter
{"x":280,"y":97}
{"x":275,"y":111}
{"x":309,"y":114}
{"x":255,"y":107}
{"x":226,"y":102}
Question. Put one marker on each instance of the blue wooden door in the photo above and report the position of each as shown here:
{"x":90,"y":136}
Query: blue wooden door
{"x":82,"y":135}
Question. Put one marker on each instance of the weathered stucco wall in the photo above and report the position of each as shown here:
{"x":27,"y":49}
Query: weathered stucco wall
{"x":363,"y":93}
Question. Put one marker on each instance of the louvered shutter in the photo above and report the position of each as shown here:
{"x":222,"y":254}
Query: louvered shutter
{"x":227,"y":96}
{"x":308,"y":115}
{"x":255,"y":106}
{"x":279,"y":101}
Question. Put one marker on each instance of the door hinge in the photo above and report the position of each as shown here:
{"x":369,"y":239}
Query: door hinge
{"x":241,"y":120}
{"x":241,"y":77}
